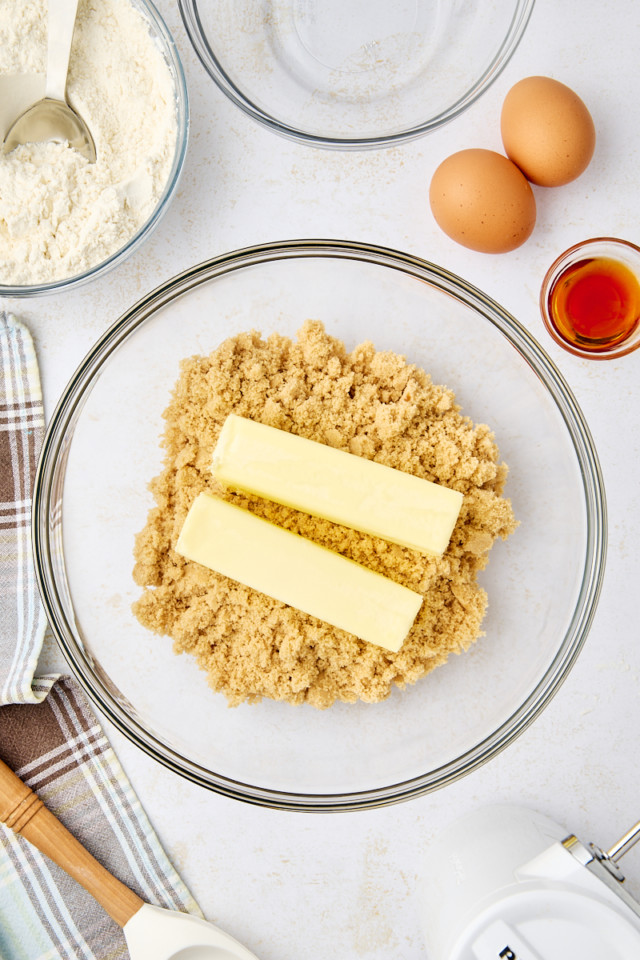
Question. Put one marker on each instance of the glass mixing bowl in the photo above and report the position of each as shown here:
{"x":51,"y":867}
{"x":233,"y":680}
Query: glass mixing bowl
{"x":164,"y":41}
{"x":91,"y":498}
{"x":354,"y":73}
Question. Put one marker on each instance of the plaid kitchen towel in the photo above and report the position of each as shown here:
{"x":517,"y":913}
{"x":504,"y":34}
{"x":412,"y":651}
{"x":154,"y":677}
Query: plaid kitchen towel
{"x":22,"y":621}
{"x":48,"y":733}
{"x":58,"y":748}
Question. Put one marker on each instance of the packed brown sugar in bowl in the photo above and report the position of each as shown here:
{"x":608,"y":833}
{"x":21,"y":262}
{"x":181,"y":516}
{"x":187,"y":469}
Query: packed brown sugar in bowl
{"x":368,"y":403}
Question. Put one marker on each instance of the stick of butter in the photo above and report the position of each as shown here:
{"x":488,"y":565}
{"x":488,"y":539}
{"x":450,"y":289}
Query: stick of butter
{"x":338,"y":486}
{"x":297,"y":572}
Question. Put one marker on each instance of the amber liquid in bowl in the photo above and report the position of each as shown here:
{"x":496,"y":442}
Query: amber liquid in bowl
{"x":594,"y":303}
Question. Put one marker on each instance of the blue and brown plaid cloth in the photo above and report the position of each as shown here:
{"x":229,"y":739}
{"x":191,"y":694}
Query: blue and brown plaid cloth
{"x":48,"y":733}
{"x":22,"y":621}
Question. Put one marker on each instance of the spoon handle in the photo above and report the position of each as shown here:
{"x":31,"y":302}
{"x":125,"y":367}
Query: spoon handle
{"x":23,"y":811}
{"x":61,"y":22}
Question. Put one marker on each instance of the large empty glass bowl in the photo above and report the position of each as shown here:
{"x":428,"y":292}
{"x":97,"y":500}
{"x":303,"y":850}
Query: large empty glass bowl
{"x":354,"y":73}
{"x":91,"y":498}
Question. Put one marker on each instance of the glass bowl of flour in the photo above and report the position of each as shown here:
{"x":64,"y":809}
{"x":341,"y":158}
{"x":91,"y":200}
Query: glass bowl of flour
{"x":63,"y":220}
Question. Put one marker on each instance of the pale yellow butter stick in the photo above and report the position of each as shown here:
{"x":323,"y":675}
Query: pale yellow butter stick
{"x":338,"y":486}
{"x":298,"y":572}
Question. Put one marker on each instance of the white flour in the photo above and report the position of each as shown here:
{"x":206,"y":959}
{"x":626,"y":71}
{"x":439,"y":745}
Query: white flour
{"x":60,"y":214}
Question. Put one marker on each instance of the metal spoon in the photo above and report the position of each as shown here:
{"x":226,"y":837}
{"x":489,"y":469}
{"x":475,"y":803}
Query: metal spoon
{"x":52,"y":118}
{"x":152,"y":933}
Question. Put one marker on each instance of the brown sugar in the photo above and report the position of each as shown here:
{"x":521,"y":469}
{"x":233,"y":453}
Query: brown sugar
{"x":371,"y":404}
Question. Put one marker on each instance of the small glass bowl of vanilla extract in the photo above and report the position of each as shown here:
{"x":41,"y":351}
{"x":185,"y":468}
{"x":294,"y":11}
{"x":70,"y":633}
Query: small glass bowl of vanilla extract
{"x":590,"y":298}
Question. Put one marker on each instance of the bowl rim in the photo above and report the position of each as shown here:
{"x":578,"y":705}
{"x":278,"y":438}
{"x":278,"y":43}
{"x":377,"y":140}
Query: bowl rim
{"x":204,"y":52}
{"x":56,"y":443}
{"x":182,"y":138}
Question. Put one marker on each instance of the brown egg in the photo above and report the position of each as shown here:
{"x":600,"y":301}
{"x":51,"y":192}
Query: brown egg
{"x":547,"y":131}
{"x":482,"y":201}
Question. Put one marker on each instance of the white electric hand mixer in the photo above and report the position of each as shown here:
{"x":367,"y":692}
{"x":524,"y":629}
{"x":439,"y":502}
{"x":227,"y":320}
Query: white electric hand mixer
{"x":505,"y":883}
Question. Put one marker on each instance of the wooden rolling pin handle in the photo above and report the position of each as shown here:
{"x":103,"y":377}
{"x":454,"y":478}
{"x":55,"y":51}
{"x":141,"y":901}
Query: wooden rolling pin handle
{"x":23,"y":811}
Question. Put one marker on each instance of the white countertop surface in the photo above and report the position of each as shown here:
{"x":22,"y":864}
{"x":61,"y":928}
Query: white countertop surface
{"x":299,"y":885}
